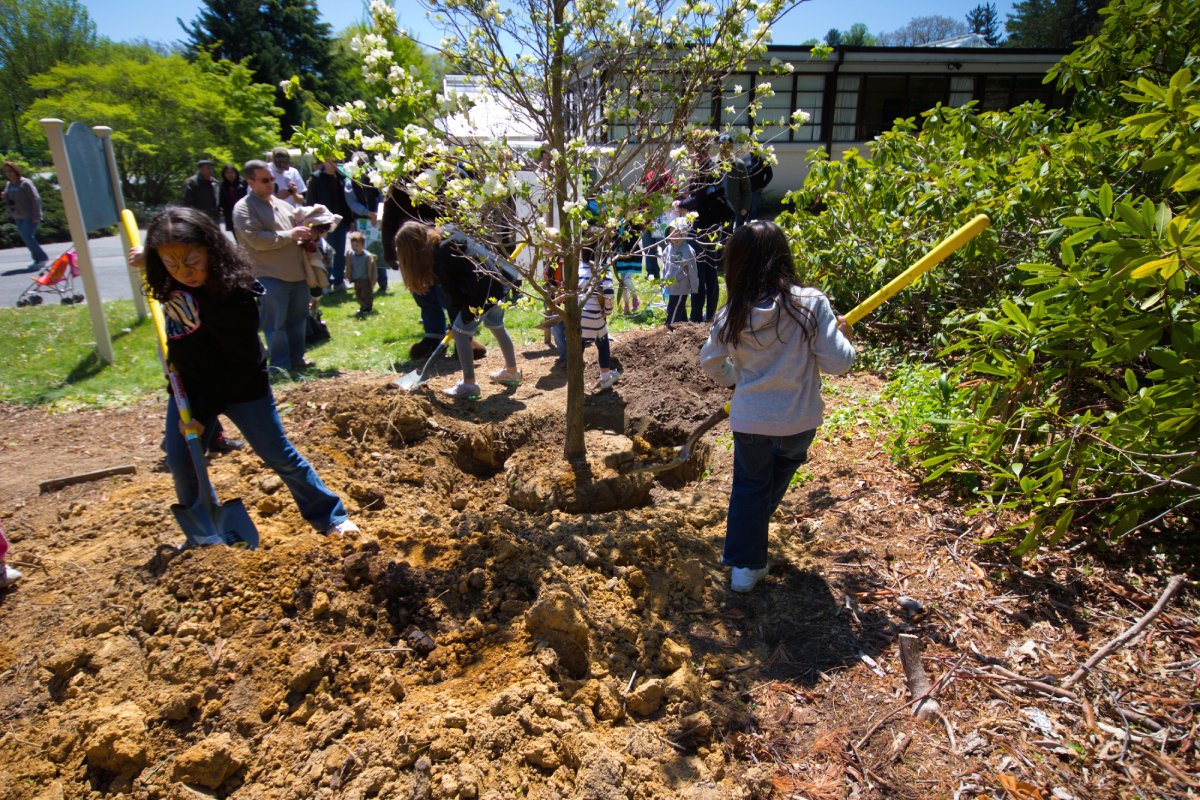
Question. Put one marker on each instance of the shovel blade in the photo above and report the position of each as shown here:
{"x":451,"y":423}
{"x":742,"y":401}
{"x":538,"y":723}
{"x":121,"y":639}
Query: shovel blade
{"x":206,"y":524}
{"x":410,"y":381}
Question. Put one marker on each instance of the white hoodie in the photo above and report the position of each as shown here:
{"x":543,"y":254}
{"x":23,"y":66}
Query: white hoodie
{"x":776,"y":370}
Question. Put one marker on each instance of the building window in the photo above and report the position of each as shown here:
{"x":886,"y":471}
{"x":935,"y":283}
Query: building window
{"x":886,"y":98}
{"x":1002,"y":92}
{"x":845,"y":109}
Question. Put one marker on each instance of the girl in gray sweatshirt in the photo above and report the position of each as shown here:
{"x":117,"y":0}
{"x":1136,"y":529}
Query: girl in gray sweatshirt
{"x":771,"y":341}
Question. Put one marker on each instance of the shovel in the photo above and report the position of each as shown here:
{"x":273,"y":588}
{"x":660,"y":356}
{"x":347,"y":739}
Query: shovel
{"x":411,"y":380}
{"x":207,"y":521}
{"x":943,"y":250}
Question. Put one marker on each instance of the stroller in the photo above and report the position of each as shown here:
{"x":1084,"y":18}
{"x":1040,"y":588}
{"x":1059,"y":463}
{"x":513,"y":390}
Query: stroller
{"x":58,"y":278}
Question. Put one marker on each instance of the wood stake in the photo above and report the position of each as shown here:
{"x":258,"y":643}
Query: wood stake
{"x":54,"y":484}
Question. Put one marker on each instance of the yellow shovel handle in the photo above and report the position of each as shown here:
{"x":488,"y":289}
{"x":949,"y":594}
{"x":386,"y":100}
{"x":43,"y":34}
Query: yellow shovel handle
{"x":129,"y":223}
{"x":931,"y":259}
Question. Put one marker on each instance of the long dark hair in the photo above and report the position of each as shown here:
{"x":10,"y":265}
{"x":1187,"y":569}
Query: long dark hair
{"x":228,"y":267}
{"x":759,"y":266}
{"x":415,"y":244}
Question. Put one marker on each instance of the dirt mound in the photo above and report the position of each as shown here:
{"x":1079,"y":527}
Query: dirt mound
{"x":469,"y":646}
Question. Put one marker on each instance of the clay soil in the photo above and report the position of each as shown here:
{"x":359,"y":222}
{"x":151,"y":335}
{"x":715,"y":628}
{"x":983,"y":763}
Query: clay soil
{"x":507,"y":625}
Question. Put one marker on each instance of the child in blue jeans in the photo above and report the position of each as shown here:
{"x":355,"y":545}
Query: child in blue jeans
{"x":771,"y":341}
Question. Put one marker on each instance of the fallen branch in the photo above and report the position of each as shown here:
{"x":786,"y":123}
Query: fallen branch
{"x":1130,"y":634}
{"x":57,"y":483}
{"x":917,"y":679}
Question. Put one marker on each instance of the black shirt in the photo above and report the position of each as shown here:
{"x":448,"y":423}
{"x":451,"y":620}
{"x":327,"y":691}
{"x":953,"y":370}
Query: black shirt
{"x":213,"y":344}
{"x":468,"y":287}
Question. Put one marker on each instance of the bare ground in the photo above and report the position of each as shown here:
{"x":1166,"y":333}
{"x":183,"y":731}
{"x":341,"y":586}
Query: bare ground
{"x":472,"y":643}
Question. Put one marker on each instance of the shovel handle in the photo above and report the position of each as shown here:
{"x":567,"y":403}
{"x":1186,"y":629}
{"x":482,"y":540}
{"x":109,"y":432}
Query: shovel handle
{"x":937,"y":255}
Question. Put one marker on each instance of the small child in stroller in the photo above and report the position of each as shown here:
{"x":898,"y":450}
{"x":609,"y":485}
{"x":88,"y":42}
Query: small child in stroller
{"x":58,"y":278}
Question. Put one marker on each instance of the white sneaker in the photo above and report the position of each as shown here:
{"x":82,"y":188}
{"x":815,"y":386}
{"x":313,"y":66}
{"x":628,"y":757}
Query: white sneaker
{"x":9,"y":577}
{"x":341,"y":528}
{"x":744,"y":579}
{"x":507,"y":377}
{"x":461,"y":389}
{"x":607,"y":379}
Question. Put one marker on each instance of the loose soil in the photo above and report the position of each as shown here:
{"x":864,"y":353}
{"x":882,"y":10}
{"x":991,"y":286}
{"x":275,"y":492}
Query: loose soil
{"x":508,"y":625}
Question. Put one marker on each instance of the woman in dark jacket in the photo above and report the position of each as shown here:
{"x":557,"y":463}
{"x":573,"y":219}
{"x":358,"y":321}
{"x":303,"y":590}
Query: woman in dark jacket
{"x":706,"y":196}
{"x":472,"y":286}
{"x":233,"y":188}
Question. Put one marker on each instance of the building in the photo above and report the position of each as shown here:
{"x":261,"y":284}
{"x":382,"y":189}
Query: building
{"x":858,"y":92}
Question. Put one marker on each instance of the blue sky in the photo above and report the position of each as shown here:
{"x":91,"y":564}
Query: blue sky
{"x":155,"y":19}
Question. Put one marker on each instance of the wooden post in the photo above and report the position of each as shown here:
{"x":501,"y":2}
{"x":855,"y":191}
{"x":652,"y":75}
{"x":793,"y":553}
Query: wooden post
{"x":66,"y":182}
{"x":135,"y":278}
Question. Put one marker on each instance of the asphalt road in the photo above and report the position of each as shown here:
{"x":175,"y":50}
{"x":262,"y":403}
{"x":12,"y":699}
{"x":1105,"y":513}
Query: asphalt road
{"x":108,"y":259}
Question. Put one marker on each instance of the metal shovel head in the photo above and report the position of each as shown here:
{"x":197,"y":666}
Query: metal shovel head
{"x":410,"y":380}
{"x":205,"y":524}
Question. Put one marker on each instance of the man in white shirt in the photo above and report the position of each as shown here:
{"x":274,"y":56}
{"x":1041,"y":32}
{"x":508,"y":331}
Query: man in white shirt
{"x":289,"y":186}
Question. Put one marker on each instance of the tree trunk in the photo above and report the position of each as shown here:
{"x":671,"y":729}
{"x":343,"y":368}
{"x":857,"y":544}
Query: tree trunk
{"x":574,"y":446}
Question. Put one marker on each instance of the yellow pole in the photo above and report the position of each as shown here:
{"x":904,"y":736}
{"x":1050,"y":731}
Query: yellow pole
{"x":931,"y":259}
{"x":129,"y":224}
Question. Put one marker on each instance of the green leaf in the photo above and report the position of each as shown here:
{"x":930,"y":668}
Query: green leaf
{"x":1106,"y":200}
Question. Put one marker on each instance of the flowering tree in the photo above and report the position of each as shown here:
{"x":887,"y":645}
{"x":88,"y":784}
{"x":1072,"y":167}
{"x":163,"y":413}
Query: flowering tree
{"x":603,"y":87}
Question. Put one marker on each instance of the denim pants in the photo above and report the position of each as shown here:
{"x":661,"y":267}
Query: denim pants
{"x":763,"y":466}
{"x":283,"y":315}
{"x":433,"y":312}
{"x":27,"y":230}
{"x":676,"y":308}
{"x":704,"y":301}
{"x":259,"y":423}
{"x":337,"y":240}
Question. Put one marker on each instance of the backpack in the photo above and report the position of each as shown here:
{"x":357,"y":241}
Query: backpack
{"x":316,"y":330}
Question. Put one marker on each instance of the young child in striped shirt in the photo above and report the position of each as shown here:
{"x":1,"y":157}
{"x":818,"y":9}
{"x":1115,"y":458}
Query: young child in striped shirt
{"x":596,"y":298}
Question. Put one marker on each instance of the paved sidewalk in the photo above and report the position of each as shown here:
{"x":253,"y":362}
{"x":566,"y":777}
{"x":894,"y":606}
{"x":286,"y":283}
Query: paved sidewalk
{"x":108,"y":258}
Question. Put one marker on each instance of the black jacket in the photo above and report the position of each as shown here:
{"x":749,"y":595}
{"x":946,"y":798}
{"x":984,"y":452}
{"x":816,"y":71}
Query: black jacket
{"x":330,"y":191}
{"x":202,"y":196}
{"x":706,"y":196}
{"x":214,"y":345}
{"x":760,"y":173}
{"x":228,"y":194}
{"x":467,"y":287}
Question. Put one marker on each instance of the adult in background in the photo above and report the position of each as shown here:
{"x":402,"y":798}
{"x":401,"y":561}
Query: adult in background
{"x":289,"y":186}
{"x":327,"y":187}
{"x":200,"y":191}
{"x":232,"y":189}
{"x":761,"y":175}
{"x":25,"y":208}
{"x":656,"y":180}
{"x":363,"y":201}
{"x":265,"y":226}
{"x":737,"y":182}
{"x":706,"y":196}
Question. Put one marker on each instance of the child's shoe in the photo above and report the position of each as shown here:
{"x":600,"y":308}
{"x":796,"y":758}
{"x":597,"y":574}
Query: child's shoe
{"x":341,"y":528}
{"x":607,"y":379}
{"x":8,"y":576}
{"x":507,"y":377}
{"x":744,"y":579}
{"x":636,"y":303}
{"x":462,"y":390}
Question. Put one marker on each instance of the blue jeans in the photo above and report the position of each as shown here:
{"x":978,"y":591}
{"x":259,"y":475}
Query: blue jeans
{"x":763,"y":466}
{"x":493,"y":319}
{"x":755,"y":199}
{"x":27,"y":230}
{"x":433,"y":312}
{"x":260,"y":424}
{"x":283,"y":315}
{"x":337,"y":240}
{"x":676,"y":308}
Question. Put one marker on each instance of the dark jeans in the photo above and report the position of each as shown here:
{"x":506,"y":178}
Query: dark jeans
{"x":676,"y":308}
{"x":337,"y":240}
{"x":704,"y":302}
{"x":762,"y":468}
{"x":27,"y":230}
{"x":650,"y":244}
{"x":258,"y":420}
{"x":435,"y":318}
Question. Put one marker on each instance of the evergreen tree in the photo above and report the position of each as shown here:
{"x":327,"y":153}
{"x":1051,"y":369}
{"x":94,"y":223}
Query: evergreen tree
{"x":281,"y":38}
{"x":1053,"y":23}
{"x":983,"y":20}
{"x":833,"y":37}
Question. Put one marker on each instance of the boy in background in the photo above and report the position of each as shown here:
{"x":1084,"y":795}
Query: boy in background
{"x":360,"y":266}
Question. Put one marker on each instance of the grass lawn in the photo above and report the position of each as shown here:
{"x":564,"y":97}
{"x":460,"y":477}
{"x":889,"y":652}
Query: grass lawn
{"x":48,"y":358}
